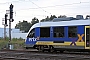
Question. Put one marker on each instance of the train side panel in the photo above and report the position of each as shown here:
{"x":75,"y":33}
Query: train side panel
{"x":65,"y":42}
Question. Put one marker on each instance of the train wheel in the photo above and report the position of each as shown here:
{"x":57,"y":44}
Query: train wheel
{"x":51,"y":48}
{"x":61,"y":51}
{"x":40,"y":48}
{"x":27,"y":48}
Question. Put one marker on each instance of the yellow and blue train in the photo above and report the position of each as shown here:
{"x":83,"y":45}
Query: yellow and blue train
{"x":60,"y":34}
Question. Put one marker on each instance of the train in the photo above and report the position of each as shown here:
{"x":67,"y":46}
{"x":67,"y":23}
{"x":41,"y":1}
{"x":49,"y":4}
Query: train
{"x":62,"y":34}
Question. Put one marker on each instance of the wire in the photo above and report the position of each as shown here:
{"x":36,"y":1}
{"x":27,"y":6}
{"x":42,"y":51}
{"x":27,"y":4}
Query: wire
{"x":53,"y":6}
{"x":43,"y":7}
{"x":47,"y":6}
{"x":64,"y":4}
{"x":26,"y":9}
{"x":11,"y":2}
{"x":39,"y":7}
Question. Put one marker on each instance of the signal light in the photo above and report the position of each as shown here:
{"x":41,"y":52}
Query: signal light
{"x":11,"y":12}
{"x":6,"y":19}
{"x":11,"y":20}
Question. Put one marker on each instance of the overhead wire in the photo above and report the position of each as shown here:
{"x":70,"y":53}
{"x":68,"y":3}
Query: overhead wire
{"x":43,"y":7}
{"x":60,"y":5}
{"x":52,"y":6}
{"x":46,"y":6}
{"x":39,"y":7}
{"x":11,"y":2}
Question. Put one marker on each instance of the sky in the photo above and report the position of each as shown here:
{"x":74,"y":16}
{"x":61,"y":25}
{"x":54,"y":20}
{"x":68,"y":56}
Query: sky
{"x":28,"y":9}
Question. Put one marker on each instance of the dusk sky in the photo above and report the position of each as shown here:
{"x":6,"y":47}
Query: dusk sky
{"x":28,"y":9}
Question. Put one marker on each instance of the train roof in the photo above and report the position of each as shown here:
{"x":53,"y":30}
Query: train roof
{"x":62,"y":23}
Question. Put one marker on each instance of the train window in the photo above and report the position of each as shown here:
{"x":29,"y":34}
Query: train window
{"x":31,"y":33}
{"x":45,"y":32}
{"x":58,"y":32}
{"x":72,"y":31}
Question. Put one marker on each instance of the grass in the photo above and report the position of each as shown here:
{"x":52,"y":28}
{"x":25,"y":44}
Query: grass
{"x":17,"y":43}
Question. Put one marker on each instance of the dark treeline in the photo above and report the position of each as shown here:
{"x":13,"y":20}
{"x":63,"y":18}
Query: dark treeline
{"x":25,"y":25}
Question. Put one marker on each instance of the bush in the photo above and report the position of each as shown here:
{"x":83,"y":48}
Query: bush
{"x":16,"y":42}
{"x":1,"y":38}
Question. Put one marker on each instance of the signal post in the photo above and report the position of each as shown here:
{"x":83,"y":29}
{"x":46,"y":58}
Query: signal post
{"x":5,"y":25}
{"x":10,"y":20}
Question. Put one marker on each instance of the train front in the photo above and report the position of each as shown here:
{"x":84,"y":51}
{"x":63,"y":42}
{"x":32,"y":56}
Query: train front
{"x":31,"y":38}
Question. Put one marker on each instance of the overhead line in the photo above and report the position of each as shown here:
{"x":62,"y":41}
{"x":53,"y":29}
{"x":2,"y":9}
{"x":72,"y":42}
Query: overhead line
{"x":10,"y":2}
{"x":39,"y":7}
{"x":54,"y":5}
{"x":43,"y":7}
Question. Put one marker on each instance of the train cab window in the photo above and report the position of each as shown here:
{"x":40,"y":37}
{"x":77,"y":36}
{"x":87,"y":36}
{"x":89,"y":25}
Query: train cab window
{"x":72,"y":31}
{"x":31,"y":33}
{"x":58,"y":32}
{"x":45,"y":32}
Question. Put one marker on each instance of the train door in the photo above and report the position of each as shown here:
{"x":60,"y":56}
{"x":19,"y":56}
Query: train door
{"x":87,"y":37}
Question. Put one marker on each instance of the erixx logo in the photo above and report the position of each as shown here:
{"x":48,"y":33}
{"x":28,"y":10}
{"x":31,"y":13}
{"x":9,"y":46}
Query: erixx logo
{"x":80,"y":37}
{"x":34,"y":39}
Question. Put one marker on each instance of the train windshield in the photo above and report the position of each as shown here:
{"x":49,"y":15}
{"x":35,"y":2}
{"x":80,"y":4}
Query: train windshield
{"x":31,"y":34}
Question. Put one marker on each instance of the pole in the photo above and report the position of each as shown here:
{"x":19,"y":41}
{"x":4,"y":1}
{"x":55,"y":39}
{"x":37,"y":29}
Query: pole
{"x":3,"y":23}
{"x":9,"y":30}
{"x":10,"y":20}
{"x":4,"y":31}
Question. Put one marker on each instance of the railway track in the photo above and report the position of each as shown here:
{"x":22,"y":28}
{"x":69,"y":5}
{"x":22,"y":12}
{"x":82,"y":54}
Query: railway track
{"x":35,"y":55}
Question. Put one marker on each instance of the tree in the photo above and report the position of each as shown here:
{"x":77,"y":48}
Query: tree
{"x":42,"y":20}
{"x":87,"y":16}
{"x":52,"y":17}
{"x":48,"y":19}
{"x":62,"y":16}
{"x":23,"y":26}
{"x":34,"y":21}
